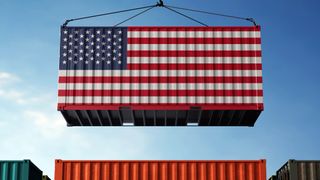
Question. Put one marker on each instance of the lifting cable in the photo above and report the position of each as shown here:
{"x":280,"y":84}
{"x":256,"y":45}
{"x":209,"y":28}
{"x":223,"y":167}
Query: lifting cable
{"x":161,"y":4}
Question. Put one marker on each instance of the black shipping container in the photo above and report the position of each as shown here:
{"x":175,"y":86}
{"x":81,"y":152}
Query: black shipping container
{"x":298,"y":170}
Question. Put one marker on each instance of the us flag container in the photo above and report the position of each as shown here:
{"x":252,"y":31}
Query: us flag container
{"x":160,"y":76}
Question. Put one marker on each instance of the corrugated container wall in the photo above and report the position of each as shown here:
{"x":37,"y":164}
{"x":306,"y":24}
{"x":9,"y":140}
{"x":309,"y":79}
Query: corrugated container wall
{"x":19,"y":170}
{"x":160,"y":76}
{"x":299,"y":170}
{"x":160,"y":170}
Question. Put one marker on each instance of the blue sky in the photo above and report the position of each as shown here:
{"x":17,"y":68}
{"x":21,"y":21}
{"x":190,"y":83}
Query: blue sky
{"x":31,"y":128}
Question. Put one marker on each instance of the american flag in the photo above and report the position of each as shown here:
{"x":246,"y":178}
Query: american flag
{"x":107,"y":67}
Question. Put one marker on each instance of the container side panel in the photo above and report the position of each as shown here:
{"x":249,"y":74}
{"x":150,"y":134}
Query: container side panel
{"x":162,"y":170}
{"x":19,"y":170}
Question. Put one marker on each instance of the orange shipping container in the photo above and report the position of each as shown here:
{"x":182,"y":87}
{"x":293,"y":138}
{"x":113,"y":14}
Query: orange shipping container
{"x":160,"y":170}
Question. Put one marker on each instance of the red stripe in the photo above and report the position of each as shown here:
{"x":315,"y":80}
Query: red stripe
{"x":194,"y":41}
{"x":196,"y":66}
{"x":144,"y":79}
{"x":194,"y":28}
{"x":193,"y":53}
{"x":160,"y":93}
{"x":149,"y":106}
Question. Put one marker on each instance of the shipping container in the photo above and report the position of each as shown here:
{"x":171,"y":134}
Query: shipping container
{"x":299,"y":170}
{"x":160,"y":76}
{"x":45,"y":178}
{"x":160,"y":170}
{"x":19,"y":170}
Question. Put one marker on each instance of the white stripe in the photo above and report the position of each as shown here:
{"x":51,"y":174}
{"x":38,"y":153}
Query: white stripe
{"x":200,"y":60}
{"x":194,"y":47}
{"x":161,"y":73}
{"x":193,"y":34}
{"x":160,"y":86}
{"x":159,"y":99}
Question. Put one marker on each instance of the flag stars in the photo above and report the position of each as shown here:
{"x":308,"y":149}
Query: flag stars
{"x":65,"y":32}
{"x":87,"y":62}
{"x":109,"y":47}
{"x":64,"y":62}
{"x":91,"y":58}
{"x":97,"y":62}
{"x":108,"y":62}
{"x":81,"y":51}
{"x":64,"y":54}
{"x":98,"y":32}
{"x":98,"y":39}
{"x":87,"y":32}
{"x":120,"y":32}
{"x":64,"y":47}
{"x":108,"y":54}
{"x":92,"y":35}
{"x":92,"y":43}
{"x":109,"y":39}
{"x":114,"y":51}
{"x":65,"y":39}
{"x":98,"y":47}
{"x":81,"y":43}
{"x":114,"y":36}
{"x":98,"y":54}
{"x":91,"y":50}
{"x":70,"y":36}
{"x":119,"y":39}
{"x":81,"y":58}
{"x":87,"y":39}
{"x":81,"y":36}
{"x":109,"y":32}
{"x":70,"y":50}
{"x":70,"y":43}
{"x":119,"y":62}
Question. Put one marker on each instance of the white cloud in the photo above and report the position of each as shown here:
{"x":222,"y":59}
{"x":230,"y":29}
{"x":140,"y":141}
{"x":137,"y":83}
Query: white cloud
{"x":7,"y":78}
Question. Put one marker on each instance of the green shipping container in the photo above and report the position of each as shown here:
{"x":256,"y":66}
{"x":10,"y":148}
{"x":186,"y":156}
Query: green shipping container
{"x":19,"y":170}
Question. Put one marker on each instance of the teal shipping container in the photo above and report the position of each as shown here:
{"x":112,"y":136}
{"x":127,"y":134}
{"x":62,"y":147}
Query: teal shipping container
{"x":19,"y":170}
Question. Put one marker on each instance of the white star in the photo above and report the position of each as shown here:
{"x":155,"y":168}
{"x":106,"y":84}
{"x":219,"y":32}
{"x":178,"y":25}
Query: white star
{"x":76,"y":47}
{"x":91,"y":58}
{"x":70,"y":36}
{"x":76,"y":62}
{"x":109,"y":32}
{"x":64,"y":54}
{"x":76,"y":39}
{"x":98,"y":32}
{"x":114,"y":51}
{"x":120,"y":39}
{"x":103,"y":43}
{"x":97,"y":62}
{"x":64,"y":62}
{"x":65,"y":39}
{"x":86,"y":62}
{"x":81,"y":58}
{"x":114,"y":58}
{"x":114,"y":36}
{"x":64,"y":47}
{"x":76,"y":32}
{"x":103,"y":51}
{"x":92,"y":36}
{"x":75,"y":54}
{"x":70,"y":58}
{"x":120,"y":32}
{"x":103,"y":36}
{"x":109,"y":47}
{"x":65,"y":32}
{"x":119,"y":47}
{"x":87,"y":47}
{"x":92,"y":43}
{"x":114,"y":43}
{"x":81,"y":50}
{"x":98,"y":39}
{"x":81,"y":35}
{"x":92,"y":51}
{"x":87,"y":32}
{"x":108,"y":62}
{"x":87,"y":54}
{"x":98,"y":47}
{"x":87,"y":39}
{"x":70,"y":43}
{"x":81,"y":43}
{"x":108,"y":54}
{"x":119,"y":54}
{"x":119,"y":62}
{"x":98,"y":54}
{"x":103,"y":58}
{"x":70,"y":50}
{"x":109,"y":39}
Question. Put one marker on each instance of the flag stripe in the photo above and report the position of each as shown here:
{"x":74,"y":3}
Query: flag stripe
{"x":193,"y":34}
{"x":160,"y":93}
{"x":159,"y":86}
{"x":146,"y":79}
{"x":194,"y":47}
{"x":201,"y":40}
{"x":142,"y":53}
{"x":159,"y":100}
{"x":196,"y":59}
{"x":196,"y":66}
{"x":162,"y":73}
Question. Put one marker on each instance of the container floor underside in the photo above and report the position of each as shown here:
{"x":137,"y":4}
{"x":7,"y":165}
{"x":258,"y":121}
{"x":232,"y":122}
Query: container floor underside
{"x":127,"y":117}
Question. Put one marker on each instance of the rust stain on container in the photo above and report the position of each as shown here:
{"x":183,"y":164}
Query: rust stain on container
{"x":160,"y":170}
